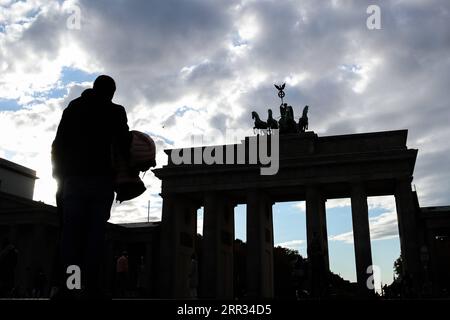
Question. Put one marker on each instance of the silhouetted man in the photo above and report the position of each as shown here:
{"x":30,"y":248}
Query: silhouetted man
{"x":122,"y":273}
{"x":8,"y":262}
{"x":91,"y":127}
{"x":193,"y":277}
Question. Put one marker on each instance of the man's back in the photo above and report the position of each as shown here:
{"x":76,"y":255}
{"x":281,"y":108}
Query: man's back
{"x":88,"y":128}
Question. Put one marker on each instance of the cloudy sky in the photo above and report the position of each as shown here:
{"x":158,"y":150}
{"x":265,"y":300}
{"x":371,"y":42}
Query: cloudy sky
{"x":193,"y":66}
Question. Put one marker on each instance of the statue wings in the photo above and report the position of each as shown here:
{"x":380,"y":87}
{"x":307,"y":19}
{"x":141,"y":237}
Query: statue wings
{"x":280,"y":88}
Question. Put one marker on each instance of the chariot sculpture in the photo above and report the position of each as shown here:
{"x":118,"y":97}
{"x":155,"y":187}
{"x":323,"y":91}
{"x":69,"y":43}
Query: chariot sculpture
{"x":286,"y":123}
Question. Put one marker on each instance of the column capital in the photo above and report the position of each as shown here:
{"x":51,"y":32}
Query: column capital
{"x":210,"y":193}
{"x":357,"y":187}
{"x":252,"y":191}
{"x":312,"y":186}
{"x":167,"y":196}
{"x":312,"y":190}
{"x":177,"y":199}
{"x":260,"y":194}
{"x":357,"y":182}
{"x":404,"y":179}
{"x":403,"y":186}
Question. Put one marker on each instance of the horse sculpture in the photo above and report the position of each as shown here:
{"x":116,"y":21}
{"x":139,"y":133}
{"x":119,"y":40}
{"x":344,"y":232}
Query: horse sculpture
{"x":271,"y":122}
{"x":303,"y":121}
{"x":259,"y":124}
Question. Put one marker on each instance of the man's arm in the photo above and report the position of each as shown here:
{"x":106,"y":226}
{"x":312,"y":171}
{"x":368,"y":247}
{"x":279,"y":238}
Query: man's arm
{"x":122,"y":136}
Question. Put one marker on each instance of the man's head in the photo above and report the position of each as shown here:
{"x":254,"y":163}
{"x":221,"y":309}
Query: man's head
{"x":105,"y":87}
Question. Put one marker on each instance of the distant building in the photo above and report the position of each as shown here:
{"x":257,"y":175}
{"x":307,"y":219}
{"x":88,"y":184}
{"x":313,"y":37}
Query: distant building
{"x":435,"y":255}
{"x":33,"y":228}
{"x":16,"y":179}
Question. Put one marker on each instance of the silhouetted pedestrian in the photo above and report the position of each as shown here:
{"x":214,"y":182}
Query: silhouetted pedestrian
{"x":29,"y":282}
{"x":39,"y":283}
{"x":193,"y":277}
{"x":90,"y":128}
{"x":122,"y":274}
{"x":8,"y":262}
{"x":141,"y":279}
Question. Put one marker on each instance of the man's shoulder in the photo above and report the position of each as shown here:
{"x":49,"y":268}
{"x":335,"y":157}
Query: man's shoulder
{"x":73,"y":104}
{"x":118,"y":107}
{"x":118,"y":110}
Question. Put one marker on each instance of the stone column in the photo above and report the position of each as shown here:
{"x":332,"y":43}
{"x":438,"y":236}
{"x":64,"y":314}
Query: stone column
{"x":259,"y":245}
{"x":407,"y":224}
{"x":178,"y":230}
{"x":317,"y":240}
{"x":361,"y":237}
{"x":323,"y":217}
{"x":218,"y":239}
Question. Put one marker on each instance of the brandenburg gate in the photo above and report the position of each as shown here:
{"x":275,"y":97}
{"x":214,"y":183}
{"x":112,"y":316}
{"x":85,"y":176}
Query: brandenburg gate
{"x":312,"y":168}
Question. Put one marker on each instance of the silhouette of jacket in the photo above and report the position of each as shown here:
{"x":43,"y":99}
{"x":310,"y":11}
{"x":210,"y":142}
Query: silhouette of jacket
{"x":90,"y":126}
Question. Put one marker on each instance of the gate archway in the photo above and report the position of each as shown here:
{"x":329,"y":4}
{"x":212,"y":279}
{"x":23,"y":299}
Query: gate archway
{"x":311,"y":169}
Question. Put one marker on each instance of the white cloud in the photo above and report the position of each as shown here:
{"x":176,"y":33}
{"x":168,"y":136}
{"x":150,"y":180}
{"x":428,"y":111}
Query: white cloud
{"x":35,"y":46}
{"x":200,"y":225}
{"x":382,"y":227}
{"x":300,"y":206}
{"x":338,"y":203}
{"x":401,"y":83}
{"x":293,"y":244}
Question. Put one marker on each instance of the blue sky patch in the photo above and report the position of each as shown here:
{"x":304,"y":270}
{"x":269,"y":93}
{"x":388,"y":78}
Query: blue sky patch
{"x":69,"y":75}
{"x":9,"y":105}
{"x":181,"y":111}
{"x":289,"y":223}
